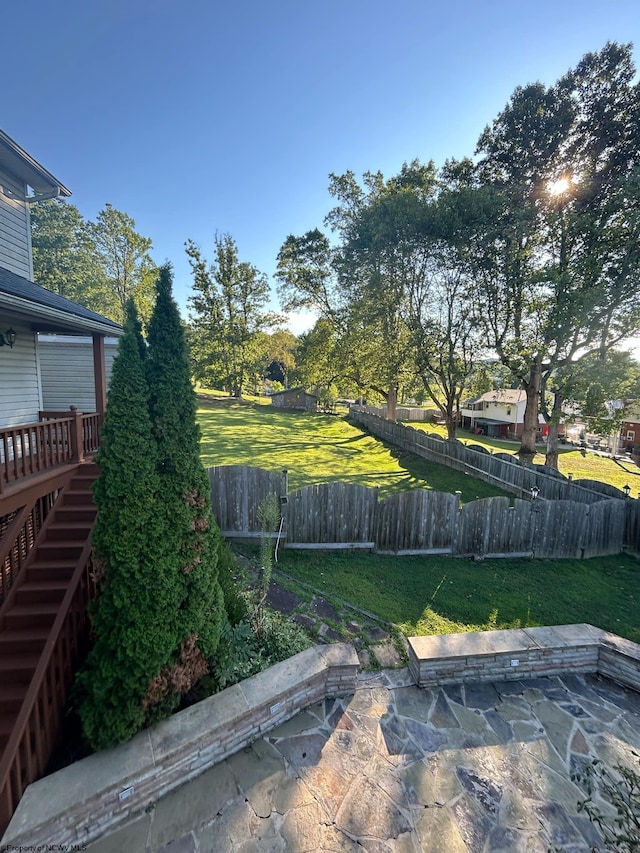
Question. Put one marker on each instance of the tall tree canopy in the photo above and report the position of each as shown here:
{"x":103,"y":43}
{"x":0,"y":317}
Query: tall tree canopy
{"x":64,"y":255}
{"x":394,"y":294}
{"x":554,"y":246}
{"x":228,"y":316}
{"x":530,"y":253}
{"x":100,"y":264}
{"x":124,"y":255}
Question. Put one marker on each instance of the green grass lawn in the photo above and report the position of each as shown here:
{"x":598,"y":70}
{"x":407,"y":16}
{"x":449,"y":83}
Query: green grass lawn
{"x":422,"y":595}
{"x":318,"y":448}
{"x":441,"y":595}
{"x":589,"y":467}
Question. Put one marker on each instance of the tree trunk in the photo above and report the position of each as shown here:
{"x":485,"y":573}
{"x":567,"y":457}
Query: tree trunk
{"x":392,"y":402}
{"x":451,"y":423}
{"x":552,"y":439}
{"x":528,"y":441}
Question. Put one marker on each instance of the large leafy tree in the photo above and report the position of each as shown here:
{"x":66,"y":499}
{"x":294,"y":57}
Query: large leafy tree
{"x":444,"y":338}
{"x":125,"y":259}
{"x":228,"y":315}
{"x":413,"y":284}
{"x":340,"y":349}
{"x":596,"y":390}
{"x":99,"y":264}
{"x":554,"y":247}
{"x":381,"y":224}
{"x":392,"y":290}
{"x":367,"y":344}
{"x":64,"y":255}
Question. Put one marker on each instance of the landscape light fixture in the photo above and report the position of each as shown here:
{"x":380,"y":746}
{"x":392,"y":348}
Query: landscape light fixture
{"x":626,"y":489}
{"x":535,"y":491}
{"x":8,"y":338}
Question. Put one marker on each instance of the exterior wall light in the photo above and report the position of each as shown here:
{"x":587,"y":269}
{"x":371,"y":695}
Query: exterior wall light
{"x":535,"y":491}
{"x":626,"y":489}
{"x":8,"y":338}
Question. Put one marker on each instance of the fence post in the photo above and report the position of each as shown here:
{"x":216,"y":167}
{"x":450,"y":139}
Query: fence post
{"x":77,"y":444}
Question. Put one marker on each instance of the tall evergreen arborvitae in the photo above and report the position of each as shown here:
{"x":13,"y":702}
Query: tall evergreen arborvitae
{"x":158,"y":620}
{"x":136,"y":616}
{"x":189,"y":528}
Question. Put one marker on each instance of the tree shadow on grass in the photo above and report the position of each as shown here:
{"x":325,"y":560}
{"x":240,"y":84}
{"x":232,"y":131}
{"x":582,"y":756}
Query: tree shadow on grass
{"x":431,"y":475}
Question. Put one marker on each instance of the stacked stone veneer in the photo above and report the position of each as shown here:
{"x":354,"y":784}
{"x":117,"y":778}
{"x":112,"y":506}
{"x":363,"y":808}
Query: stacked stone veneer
{"x":523,"y":653}
{"x":82,"y":802}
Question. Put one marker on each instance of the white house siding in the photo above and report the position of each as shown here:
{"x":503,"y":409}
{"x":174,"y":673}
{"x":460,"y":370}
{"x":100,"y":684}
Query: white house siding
{"x":66,"y":370}
{"x":20,"y":399}
{"x":15,"y":238}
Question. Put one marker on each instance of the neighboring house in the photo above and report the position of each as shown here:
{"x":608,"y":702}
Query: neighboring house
{"x":630,"y":430}
{"x":499,"y":414}
{"x":295,"y":398}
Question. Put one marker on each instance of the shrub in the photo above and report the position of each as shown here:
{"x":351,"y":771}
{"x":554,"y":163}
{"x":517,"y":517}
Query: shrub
{"x":230,"y":582}
{"x":268,"y":515}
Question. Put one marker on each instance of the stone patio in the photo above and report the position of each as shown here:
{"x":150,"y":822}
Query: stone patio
{"x":397,"y":769}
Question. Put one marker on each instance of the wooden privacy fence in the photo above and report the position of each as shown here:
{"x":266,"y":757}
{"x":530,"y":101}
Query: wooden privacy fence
{"x":331,"y":515}
{"x":501,"y":469}
{"x":342,"y":515}
{"x":404,"y":413}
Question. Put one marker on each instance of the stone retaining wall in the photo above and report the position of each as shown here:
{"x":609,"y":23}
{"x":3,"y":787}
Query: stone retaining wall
{"x":523,"y":653}
{"x":94,"y":796}
{"x":619,"y":659}
{"x":99,"y":794}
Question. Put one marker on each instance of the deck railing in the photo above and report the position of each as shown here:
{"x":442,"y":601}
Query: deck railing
{"x":18,"y":533}
{"x":58,"y":438}
{"x":34,"y":735}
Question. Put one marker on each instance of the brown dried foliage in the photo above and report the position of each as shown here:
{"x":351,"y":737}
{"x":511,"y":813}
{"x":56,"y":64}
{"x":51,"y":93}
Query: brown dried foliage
{"x":194,"y":498}
{"x":97,"y":570}
{"x":180,"y":677}
{"x":200,"y":523}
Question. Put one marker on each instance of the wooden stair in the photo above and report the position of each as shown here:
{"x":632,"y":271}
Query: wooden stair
{"x":28,"y":616}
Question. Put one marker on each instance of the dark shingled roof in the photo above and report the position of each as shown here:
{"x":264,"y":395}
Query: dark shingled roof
{"x":16,"y":285}
{"x":299,"y":389}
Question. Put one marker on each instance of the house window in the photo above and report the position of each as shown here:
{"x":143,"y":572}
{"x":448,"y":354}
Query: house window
{"x":631,"y":436}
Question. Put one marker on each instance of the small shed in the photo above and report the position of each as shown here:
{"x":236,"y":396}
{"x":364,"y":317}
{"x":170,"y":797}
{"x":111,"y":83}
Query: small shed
{"x":295,"y":398}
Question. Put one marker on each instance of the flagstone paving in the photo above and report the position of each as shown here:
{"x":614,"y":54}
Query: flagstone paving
{"x":399,"y":769}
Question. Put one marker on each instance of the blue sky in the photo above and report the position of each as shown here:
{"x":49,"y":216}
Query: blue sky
{"x":197,"y":116}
